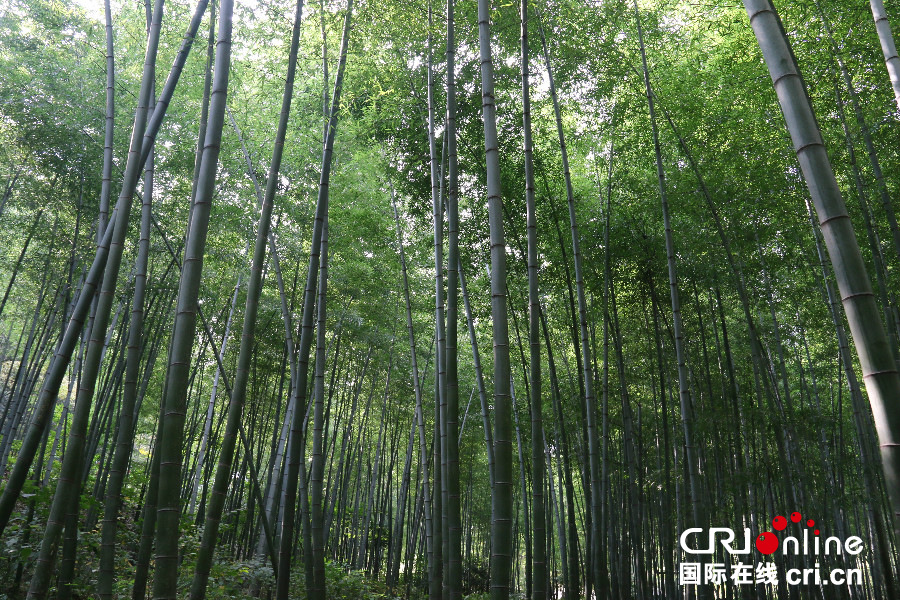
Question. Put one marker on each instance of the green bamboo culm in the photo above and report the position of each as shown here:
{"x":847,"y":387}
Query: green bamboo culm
{"x":454,"y":574}
{"x":316,"y":587}
{"x":539,"y":534}
{"x":296,"y":439}
{"x":106,"y":179}
{"x":437,"y":587}
{"x":501,"y":494}
{"x":872,"y":347}
{"x":888,"y":47}
{"x":595,"y":571}
{"x":418,"y":419}
{"x":216,"y":501}
{"x":684,"y":390}
{"x":68,"y":489}
{"x":124,"y":443}
{"x":165,"y":579}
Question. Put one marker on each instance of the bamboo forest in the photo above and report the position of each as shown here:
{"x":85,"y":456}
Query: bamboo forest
{"x":449,"y":299}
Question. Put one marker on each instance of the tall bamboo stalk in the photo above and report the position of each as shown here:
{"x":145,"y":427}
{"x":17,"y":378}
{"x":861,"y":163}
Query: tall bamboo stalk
{"x":125,"y":434}
{"x":254,"y":290}
{"x":684,"y":391}
{"x":294,"y":450}
{"x":502,"y":490}
{"x":177,"y":375}
{"x":538,"y":566}
{"x":590,"y":399}
{"x":888,"y":48}
{"x":69,"y":486}
{"x":872,"y":348}
{"x":109,"y":125}
{"x":453,"y":576}
{"x":419,"y":421}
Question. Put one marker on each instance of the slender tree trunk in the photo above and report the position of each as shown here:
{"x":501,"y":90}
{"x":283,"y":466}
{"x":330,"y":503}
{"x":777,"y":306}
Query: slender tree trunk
{"x":538,"y":566}
{"x":502,"y":490}
{"x":604,"y":405}
{"x":277,"y":453}
{"x":396,"y":543}
{"x":17,"y":267}
{"x":294,"y":450}
{"x":69,"y":486}
{"x":167,"y":532}
{"x":891,"y":60}
{"x":875,"y":355}
{"x":205,"y":441}
{"x":8,"y":190}
{"x":149,"y":514}
{"x":453,"y":576}
{"x":572,"y":576}
{"x":684,"y":391}
{"x":254,"y":290}
{"x":419,"y":418}
{"x":110,"y":122}
{"x":127,"y":414}
{"x":374,"y":477}
{"x":437,"y":582}
{"x":589,"y":395}
{"x":479,"y":375}
{"x":316,"y":587}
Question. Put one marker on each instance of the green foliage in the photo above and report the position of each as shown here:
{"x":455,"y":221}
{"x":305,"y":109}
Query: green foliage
{"x":240,"y":580}
{"x":707,"y":77}
{"x":236,"y":579}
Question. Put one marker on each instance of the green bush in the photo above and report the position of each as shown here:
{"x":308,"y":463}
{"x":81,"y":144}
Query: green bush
{"x":342,"y":583}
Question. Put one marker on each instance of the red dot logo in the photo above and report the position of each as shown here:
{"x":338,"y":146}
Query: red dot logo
{"x":810,"y":523}
{"x":795,"y":517}
{"x":779,"y":523}
{"x":766,"y":543}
